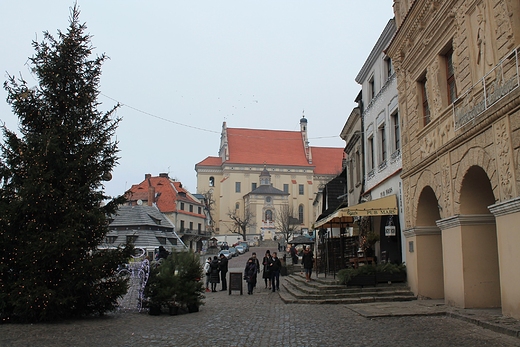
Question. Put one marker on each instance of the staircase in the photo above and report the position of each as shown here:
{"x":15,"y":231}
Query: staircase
{"x":328,"y":291}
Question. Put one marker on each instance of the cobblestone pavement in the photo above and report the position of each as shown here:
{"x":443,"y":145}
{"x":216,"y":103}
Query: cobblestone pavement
{"x":255,"y":320}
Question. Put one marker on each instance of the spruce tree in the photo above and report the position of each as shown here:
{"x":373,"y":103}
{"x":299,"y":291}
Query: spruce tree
{"x":52,"y":211}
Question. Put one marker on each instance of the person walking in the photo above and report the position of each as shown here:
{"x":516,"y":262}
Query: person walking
{"x":294,"y":254}
{"x":266,"y":274}
{"x":223,"y":266}
{"x":207,"y":271}
{"x":308,"y":263}
{"x":214,"y":274}
{"x":274,"y":267}
{"x":250,"y":275}
{"x":255,"y":259}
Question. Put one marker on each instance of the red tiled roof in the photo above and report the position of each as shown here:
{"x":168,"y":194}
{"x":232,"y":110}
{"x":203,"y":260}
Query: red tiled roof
{"x":272,"y":147}
{"x":276,"y":147}
{"x":211,"y":161}
{"x":167,"y":191}
{"x":328,"y":160}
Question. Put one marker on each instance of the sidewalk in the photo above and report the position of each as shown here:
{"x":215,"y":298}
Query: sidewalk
{"x":487,"y":318}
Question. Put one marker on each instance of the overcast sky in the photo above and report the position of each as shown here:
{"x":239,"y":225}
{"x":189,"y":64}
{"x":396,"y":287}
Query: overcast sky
{"x":182,"y":68}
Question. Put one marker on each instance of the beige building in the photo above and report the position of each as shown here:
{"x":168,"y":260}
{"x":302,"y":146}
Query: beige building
{"x":296,"y":171}
{"x":457,"y":72}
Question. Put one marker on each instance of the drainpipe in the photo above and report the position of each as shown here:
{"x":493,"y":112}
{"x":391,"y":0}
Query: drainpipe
{"x":359,"y":100}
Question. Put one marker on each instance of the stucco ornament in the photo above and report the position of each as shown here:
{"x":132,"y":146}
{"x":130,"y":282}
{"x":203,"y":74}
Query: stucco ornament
{"x":504,"y":159}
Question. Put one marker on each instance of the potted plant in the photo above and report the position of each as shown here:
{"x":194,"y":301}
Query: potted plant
{"x":390,"y":272}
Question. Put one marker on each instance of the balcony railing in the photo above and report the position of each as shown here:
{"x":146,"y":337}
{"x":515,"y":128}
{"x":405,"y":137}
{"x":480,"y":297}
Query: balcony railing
{"x":268,"y":224}
{"x":495,"y":85}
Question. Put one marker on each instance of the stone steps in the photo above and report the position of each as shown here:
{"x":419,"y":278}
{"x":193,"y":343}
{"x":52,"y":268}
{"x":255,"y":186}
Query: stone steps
{"x":328,"y":291}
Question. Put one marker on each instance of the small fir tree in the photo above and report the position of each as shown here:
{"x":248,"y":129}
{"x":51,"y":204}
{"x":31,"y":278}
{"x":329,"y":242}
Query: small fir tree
{"x":51,"y":194}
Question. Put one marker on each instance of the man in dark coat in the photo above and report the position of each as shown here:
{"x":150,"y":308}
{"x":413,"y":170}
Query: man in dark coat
{"x":223,"y":271}
{"x":274,"y":266}
{"x":162,"y":254}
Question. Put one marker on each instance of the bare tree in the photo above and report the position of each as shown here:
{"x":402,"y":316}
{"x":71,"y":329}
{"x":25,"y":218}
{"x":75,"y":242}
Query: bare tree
{"x":285,"y":221}
{"x":209,"y":207}
{"x":241,"y":224}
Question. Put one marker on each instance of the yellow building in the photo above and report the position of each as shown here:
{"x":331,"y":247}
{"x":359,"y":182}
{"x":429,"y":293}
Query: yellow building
{"x":457,"y":68}
{"x":296,"y":171}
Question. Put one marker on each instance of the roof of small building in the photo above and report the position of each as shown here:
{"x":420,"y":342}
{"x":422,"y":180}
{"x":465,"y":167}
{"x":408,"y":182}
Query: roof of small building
{"x":168,"y":192}
{"x":269,"y":190}
{"x":140,"y":216}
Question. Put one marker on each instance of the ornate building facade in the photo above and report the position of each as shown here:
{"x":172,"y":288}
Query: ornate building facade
{"x":457,"y":66}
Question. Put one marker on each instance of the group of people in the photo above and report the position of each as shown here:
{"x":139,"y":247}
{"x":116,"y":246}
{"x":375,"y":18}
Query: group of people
{"x":270,"y":271}
{"x":216,"y":271}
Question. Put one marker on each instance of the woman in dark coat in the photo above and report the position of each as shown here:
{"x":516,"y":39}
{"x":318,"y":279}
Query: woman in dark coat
{"x":308,"y":262}
{"x":266,"y":275}
{"x":214,"y":277}
{"x":250,"y":275}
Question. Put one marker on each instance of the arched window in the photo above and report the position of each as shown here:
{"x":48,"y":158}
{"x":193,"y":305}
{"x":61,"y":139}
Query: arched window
{"x":268,"y":215}
{"x":300,"y":213}
{"x":237,"y":206}
{"x":212,"y":181}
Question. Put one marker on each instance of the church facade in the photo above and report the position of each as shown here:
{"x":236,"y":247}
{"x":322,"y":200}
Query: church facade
{"x":296,"y":172}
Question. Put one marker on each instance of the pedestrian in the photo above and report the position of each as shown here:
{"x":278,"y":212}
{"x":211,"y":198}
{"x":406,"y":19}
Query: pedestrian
{"x":253,"y":255}
{"x":274,"y":268}
{"x":162,"y":254}
{"x":266,"y":274}
{"x":308,"y":263}
{"x":214,"y":274}
{"x":250,"y":275}
{"x":294,"y":255}
{"x":223,"y":266}
{"x":207,"y":271}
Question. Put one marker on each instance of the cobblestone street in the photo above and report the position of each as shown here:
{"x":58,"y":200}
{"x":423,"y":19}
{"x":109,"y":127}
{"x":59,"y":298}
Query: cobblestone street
{"x":261,"y":319}
{"x":258,"y":320}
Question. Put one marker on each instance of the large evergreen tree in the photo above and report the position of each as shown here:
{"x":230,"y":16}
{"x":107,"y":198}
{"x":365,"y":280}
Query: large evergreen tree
{"x":52,"y":216}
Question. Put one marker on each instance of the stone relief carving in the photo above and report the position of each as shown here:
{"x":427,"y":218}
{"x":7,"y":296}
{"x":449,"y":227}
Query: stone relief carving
{"x":504,"y":159}
{"x":408,"y":203}
{"x":445,"y":187}
{"x":436,"y":138}
{"x":435,"y":92}
{"x":483,"y":39}
{"x":503,"y":23}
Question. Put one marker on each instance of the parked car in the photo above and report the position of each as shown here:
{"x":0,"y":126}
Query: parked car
{"x":224,"y":245}
{"x":240,"y":249}
{"x":233,"y":251}
{"x":226,"y":253}
{"x":245,"y":245}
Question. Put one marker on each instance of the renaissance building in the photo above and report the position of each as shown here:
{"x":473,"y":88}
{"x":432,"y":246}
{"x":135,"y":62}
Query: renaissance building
{"x":457,"y":67}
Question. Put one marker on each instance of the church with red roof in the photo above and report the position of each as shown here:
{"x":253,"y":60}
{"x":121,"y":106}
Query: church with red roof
{"x":296,"y":169}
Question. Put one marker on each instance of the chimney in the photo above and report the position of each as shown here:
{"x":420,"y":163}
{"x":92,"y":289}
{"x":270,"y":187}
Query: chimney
{"x":163,"y":175}
{"x":147,"y":176}
{"x":151,"y":196}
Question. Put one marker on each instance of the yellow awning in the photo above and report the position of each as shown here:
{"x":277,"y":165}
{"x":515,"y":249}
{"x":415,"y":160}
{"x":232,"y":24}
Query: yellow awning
{"x":378,"y":207}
